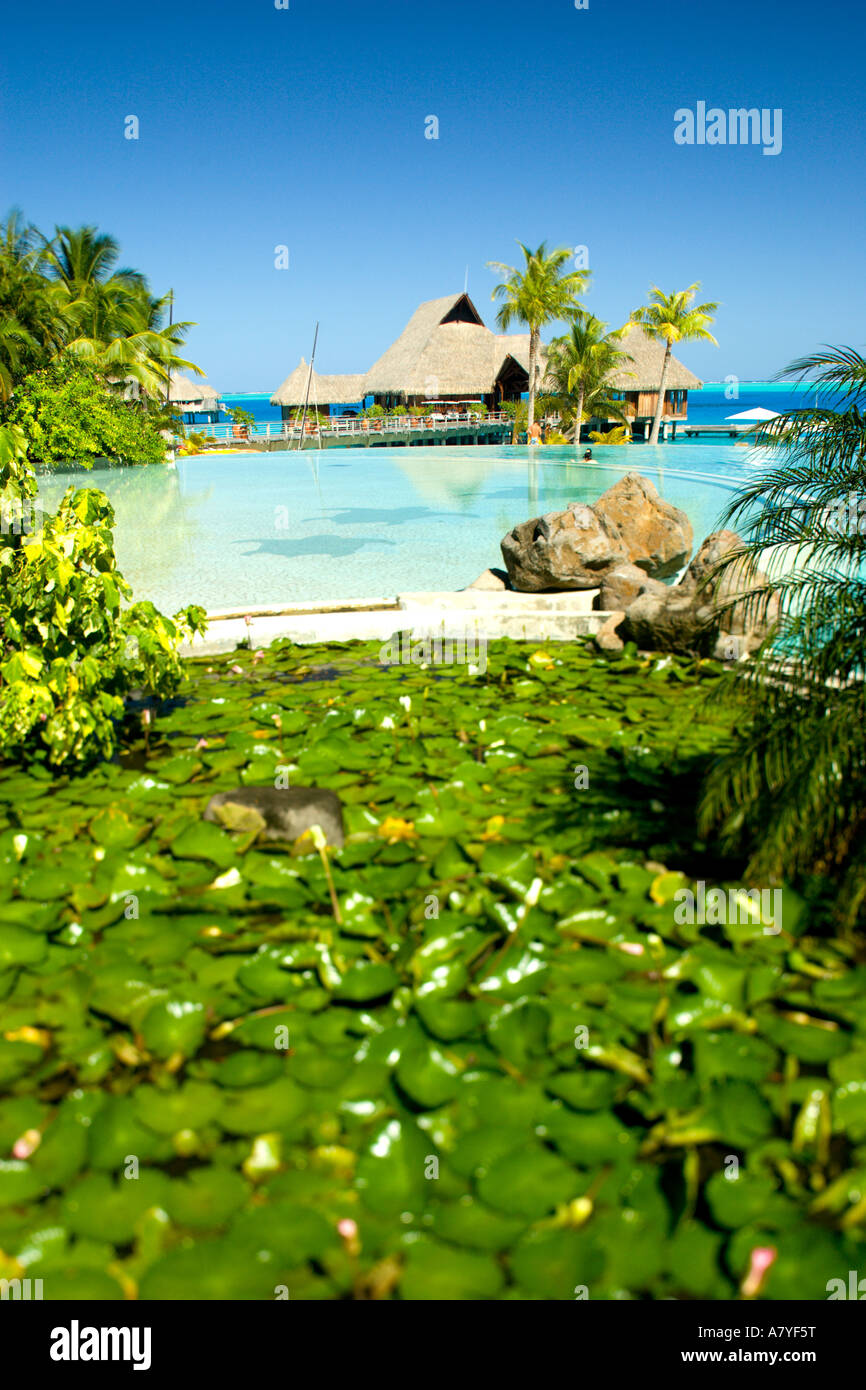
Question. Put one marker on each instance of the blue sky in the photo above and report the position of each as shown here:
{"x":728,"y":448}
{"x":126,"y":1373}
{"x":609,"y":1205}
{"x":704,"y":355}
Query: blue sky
{"x":305,"y":127}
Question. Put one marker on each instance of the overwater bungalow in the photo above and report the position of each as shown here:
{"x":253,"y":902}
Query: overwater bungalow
{"x":193,"y":398}
{"x":637,"y":383}
{"x":342,"y":395}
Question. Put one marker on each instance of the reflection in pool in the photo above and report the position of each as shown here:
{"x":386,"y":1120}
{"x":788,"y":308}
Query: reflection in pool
{"x":249,"y":530}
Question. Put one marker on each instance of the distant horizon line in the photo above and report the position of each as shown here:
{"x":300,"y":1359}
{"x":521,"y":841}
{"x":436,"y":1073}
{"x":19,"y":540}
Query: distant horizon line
{"x":773,"y":384}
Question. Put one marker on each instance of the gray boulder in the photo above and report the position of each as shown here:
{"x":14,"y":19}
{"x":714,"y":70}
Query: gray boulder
{"x":279,"y":813}
{"x":658,"y":537}
{"x":563,"y":550}
{"x":671,"y":622}
{"x":748,"y":621}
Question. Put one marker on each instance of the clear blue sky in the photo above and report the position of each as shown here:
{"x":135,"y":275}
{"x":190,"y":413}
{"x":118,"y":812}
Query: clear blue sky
{"x":305,"y":127}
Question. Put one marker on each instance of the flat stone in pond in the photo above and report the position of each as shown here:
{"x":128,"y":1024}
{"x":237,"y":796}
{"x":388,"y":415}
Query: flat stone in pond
{"x":286,"y":812}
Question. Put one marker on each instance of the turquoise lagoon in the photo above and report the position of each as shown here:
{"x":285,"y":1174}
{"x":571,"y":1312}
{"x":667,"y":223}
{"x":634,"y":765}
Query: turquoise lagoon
{"x":247,"y":530}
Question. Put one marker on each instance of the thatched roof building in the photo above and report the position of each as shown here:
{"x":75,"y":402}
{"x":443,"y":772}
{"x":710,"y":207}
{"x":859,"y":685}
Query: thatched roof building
{"x":643,"y":372}
{"x":447,"y":354}
{"x":191,"y":395}
{"x":347,"y":389}
{"x":445,"y":350}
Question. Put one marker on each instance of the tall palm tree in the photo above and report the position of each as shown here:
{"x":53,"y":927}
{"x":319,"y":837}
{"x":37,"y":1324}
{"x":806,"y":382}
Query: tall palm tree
{"x":579,"y":366}
{"x":793,"y":784}
{"x":539,"y":293}
{"x":672,"y":318}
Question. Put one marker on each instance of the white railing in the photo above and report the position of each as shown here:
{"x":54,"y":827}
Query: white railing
{"x":348,"y":425}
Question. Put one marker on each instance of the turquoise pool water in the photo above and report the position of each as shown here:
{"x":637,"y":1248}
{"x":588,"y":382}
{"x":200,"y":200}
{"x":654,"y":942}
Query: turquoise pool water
{"x":259,"y":529}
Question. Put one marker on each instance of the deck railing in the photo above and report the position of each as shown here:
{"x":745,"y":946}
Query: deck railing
{"x":349,"y":425}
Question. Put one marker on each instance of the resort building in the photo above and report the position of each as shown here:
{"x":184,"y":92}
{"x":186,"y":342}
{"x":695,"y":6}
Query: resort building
{"x":193,"y":398}
{"x":637,"y":382}
{"x":446,"y":356}
{"x":344,"y":395}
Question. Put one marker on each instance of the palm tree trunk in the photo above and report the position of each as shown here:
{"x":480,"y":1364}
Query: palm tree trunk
{"x":534,"y":336}
{"x":579,"y":421}
{"x":660,"y":403}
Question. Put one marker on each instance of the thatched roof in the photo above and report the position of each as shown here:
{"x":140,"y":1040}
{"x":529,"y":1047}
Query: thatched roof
{"x":643,"y":372}
{"x":182,"y":391}
{"x":324,"y":390}
{"x":445,"y":350}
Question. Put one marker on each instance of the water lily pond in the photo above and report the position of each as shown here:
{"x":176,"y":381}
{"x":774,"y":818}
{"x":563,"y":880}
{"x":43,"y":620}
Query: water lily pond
{"x":471,"y":1055}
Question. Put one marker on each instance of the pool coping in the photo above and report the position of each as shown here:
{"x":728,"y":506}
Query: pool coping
{"x":465,"y":614}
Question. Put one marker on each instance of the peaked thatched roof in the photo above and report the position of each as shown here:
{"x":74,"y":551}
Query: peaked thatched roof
{"x":445,"y":350}
{"x":324,"y":390}
{"x":643,"y":372}
{"x":182,"y":391}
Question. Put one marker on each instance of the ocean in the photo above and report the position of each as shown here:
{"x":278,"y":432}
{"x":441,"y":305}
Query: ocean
{"x":710,"y":406}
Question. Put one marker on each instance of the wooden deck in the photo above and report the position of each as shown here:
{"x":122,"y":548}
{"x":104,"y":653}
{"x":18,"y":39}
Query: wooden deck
{"x":347,"y":432}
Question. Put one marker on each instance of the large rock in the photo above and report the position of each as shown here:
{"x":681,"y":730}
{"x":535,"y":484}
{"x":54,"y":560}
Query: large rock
{"x":657,"y":537}
{"x":620,"y":586}
{"x":563,"y":550}
{"x":748,"y":621}
{"x":607,"y":639}
{"x":494,"y":580}
{"x":279,"y":813}
{"x":671,"y":622}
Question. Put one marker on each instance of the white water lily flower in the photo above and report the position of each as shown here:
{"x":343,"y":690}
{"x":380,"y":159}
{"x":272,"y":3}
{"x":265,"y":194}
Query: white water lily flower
{"x":406,"y":702}
{"x":230,"y":879}
{"x":387,"y":722}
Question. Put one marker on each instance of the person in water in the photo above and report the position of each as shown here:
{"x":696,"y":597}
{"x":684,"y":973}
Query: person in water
{"x":588,"y":458}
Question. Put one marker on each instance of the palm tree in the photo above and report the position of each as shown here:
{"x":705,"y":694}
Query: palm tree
{"x":579,"y":366}
{"x":32,"y":325}
{"x":79,"y":256}
{"x":793,"y":784}
{"x":540,"y":293}
{"x":669,"y":319}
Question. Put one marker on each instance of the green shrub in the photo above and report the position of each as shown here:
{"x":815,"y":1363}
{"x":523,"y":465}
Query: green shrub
{"x":70,"y":653}
{"x":71,"y":415}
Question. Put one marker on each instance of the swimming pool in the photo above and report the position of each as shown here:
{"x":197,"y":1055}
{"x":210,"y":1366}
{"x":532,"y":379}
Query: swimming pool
{"x":249,"y":530}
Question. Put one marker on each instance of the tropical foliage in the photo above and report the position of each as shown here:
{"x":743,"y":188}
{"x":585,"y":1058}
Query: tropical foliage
{"x":793,"y":785}
{"x":673,"y":318}
{"x":70,"y":654}
{"x":505,"y":1072}
{"x":538,"y":293}
{"x":620,"y":434}
{"x":579,"y":367}
{"x":70,"y":415}
{"x":64,"y":296}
